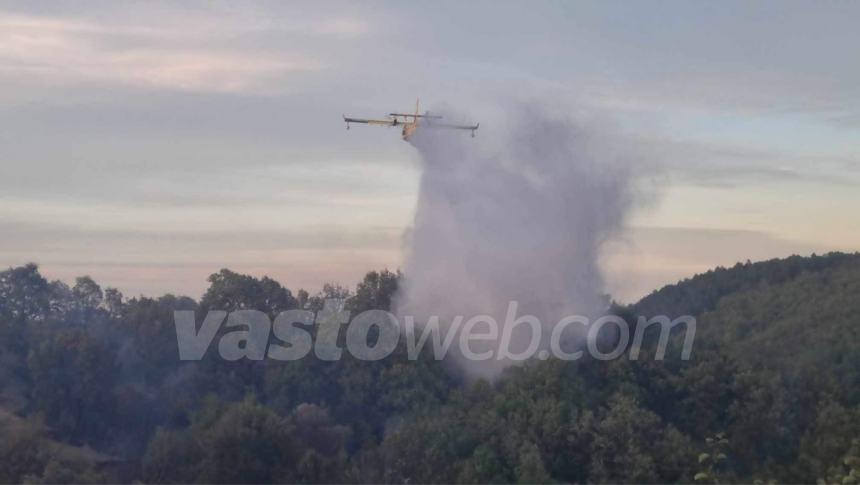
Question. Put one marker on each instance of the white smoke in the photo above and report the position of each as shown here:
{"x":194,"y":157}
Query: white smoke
{"x":514,"y":214}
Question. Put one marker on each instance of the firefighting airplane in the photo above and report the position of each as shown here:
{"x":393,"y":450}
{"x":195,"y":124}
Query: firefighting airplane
{"x":410,"y":123}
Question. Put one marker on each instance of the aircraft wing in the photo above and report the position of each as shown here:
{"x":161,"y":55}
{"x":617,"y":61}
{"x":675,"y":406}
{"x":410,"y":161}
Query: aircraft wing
{"x":370,"y":122}
{"x":456,"y":127}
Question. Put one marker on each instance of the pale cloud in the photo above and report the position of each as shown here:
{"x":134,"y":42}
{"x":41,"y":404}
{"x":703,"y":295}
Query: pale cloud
{"x":713,"y":164}
{"x":173,"y":56}
{"x":156,"y":261}
{"x":341,"y":26}
{"x":151,"y":143}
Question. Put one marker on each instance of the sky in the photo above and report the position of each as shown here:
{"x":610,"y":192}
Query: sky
{"x":150,"y":144}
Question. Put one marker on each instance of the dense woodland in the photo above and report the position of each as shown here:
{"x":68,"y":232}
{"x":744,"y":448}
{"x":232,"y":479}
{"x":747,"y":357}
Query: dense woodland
{"x":92,"y":390}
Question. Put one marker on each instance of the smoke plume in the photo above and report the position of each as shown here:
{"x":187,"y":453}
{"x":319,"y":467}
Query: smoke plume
{"x":518,"y":213}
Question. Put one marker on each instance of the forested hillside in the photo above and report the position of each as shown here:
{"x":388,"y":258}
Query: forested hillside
{"x":701,"y":292}
{"x":91,"y":390}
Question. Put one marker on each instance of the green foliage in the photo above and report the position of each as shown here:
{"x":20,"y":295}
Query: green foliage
{"x":24,"y":294}
{"x":91,"y":390}
{"x":848,"y":472}
{"x":21,"y":448}
{"x":72,"y":377}
{"x":804,"y":325}
{"x":374,"y":292}
{"x":28,"y":454}
{"x":246,"y":442}
{"x":231,"y":291}
{"x":696,"y":295}
{"x":629,"y":444}
{"x":712,"y":462}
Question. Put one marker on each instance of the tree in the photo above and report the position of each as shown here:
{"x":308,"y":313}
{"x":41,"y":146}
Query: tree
{"x":714,"y":460}
{"x":24,"y":294}
{"x":22,"y":449}
{"x":248,"y":443}
{"x":847,"y":471}
{"x":113,"y":302}
{"x":330,"y":291}
{"x":73,"y":377}
{"x":630,"y":444}
{"x":87,"y":293}
{"x":530,"y":467}
{"x":374,"y":292}
{"x":172,"y":457}
{"x":230,"y":291}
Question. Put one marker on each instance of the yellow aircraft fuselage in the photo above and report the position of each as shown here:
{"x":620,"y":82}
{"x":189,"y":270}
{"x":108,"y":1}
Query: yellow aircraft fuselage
{"x":409,"y":129}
